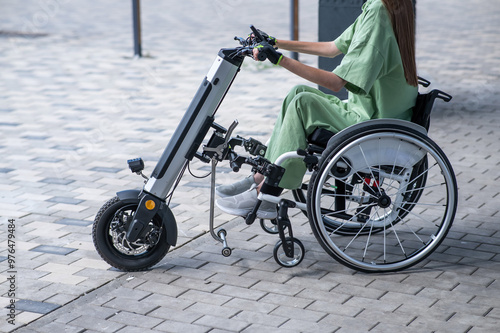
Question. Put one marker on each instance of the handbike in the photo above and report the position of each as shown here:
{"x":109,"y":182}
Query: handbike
{"x":363,"y":199}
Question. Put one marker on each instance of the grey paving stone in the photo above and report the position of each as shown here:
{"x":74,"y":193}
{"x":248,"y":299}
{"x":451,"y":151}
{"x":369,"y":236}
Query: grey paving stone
{"x":96,"y":324}
{"x":53,"y":249}
{"x":58,"y":181}
{"x":74,"y":222}
{"x":106,"y":169}
{"x":163,"y":289}
{"x":124,"y":304}
{"x":180,"y":327}
{"x":132,"y":319}
{"x":65,"y":200}
{"x":37,"y":307}
{"x":204,"y":297}
{"x":231,"y":325}
{"x":56,"y":327}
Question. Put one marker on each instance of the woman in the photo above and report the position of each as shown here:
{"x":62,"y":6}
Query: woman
{"x":378,"y":70}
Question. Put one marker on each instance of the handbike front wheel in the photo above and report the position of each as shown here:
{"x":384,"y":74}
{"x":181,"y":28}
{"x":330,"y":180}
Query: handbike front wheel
{"x":110,"y":228}
{"x":393,"y":187}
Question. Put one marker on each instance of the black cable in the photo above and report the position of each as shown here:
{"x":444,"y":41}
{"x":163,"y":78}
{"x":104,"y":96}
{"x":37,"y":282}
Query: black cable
{"x":195,"y":176}
{"x":170,"y":195}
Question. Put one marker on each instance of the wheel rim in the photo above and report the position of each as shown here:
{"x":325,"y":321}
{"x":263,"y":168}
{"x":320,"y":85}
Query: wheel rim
{"x":283,"y":259}
{"x":387,"y":230}
{"x":117,"y":234}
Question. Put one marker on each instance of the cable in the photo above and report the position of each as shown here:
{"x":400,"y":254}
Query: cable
{"x":195,"y":176}
{"x":169,"y":196}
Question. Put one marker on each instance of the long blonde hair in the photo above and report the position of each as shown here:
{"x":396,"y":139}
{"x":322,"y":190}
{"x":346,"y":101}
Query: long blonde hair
{"x":403,"y":24}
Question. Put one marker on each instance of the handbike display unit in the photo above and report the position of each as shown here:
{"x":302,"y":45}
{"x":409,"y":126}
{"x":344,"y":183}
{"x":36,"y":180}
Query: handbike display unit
{"x":382,"y":195}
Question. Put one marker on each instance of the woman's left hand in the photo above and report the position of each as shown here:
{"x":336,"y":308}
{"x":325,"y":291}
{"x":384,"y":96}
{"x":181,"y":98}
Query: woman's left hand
{"x":268,"y":52}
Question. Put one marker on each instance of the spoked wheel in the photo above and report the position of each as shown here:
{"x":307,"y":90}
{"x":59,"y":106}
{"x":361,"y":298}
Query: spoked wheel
{"x":109,"y":230}
{"x":289,"y":253}
{"x":300,"y":195}
{"x":383,"y":198}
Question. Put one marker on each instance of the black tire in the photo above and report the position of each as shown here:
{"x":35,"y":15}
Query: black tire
{"x":298,"y":253}
{"x":115,"y":250}
{"x":391,"y":229}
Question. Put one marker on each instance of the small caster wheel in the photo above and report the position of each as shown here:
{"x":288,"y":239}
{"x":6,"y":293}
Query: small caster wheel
{"x":226,"y":252}
{"x":269,"y":226}
{"x":290,"y":253}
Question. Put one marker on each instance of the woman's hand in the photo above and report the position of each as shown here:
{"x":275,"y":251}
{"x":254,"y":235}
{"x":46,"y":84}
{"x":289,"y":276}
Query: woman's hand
{"x":264,"y":50}
{"x":270,"y":39}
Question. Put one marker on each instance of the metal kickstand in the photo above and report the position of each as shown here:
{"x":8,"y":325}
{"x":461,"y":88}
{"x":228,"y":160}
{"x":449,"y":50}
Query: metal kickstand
{"x":221,"y":233}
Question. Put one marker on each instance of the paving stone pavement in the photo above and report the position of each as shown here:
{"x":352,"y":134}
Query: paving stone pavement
{"x":75,"y":105}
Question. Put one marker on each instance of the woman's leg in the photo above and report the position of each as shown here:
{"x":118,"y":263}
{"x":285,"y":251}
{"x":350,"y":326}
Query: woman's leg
{"x":247,"y":183}
{"x":304,"y":110}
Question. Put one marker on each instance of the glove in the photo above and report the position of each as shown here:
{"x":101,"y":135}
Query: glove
{"x":269,"y":52}
{"x":270,"y":39}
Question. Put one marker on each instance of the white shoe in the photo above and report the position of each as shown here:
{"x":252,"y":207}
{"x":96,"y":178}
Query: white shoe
{"x":242,"y":204}
{"x":230,"y":190}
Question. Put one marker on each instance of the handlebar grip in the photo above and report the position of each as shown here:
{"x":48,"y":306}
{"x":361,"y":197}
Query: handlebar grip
{"x":232,"y":161}
{"x":262,"y":56}
{"x":444,"y":96}
{"x":235,"y":166}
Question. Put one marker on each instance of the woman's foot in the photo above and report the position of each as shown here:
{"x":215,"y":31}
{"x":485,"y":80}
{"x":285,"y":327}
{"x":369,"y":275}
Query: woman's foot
{"x":231,"y":190}
{"x":243,"y":203}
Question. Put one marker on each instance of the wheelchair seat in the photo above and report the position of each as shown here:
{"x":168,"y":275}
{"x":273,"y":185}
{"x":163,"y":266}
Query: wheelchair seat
{"x":318,"y":140}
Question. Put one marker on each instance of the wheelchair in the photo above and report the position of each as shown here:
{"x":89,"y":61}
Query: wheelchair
{"x":382,"y":195}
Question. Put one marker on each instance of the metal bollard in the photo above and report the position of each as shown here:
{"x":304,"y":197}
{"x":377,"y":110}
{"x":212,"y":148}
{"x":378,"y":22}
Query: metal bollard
{"x":294,"y":24}
{"x":136,"y":15}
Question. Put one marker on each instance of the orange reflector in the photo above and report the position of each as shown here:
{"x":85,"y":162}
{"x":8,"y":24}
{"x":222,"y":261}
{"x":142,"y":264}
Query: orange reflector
{"x":150,"y":204}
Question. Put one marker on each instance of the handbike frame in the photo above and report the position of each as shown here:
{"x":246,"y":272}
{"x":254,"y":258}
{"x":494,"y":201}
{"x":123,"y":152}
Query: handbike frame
{"x":187,"y":139}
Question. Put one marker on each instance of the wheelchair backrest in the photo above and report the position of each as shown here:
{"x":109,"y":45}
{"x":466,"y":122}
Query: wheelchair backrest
{"x":423,"y":106}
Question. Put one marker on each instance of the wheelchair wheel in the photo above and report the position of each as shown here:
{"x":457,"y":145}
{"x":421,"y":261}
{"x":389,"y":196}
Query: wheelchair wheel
{"x":383,"y":197}
{"x":281,"y":249}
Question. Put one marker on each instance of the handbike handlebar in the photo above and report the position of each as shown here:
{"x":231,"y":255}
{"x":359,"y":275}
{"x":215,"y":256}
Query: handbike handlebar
{"x":247,"y":45}
{"x":257,"y":34}
{"x":262,"y":56}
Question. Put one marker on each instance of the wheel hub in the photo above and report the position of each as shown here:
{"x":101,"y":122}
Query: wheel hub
{"x":118,"y":233}
{"x":384,"y":201}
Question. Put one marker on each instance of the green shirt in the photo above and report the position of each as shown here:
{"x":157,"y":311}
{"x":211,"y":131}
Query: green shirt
{"x":373,"y":68}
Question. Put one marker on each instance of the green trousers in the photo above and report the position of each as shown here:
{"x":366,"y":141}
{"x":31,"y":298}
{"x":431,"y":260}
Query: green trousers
{"x":304,"y":110}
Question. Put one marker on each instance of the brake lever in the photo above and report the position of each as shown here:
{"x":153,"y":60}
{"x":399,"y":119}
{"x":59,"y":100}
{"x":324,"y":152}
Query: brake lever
{"x":219,"y":150}
{"x":242,"y":41}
